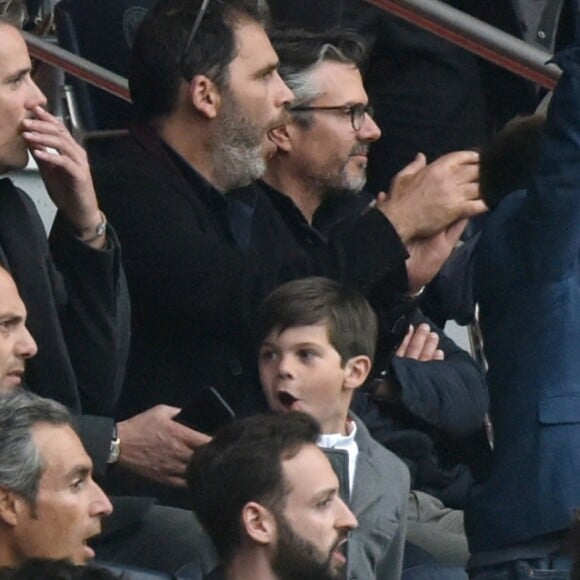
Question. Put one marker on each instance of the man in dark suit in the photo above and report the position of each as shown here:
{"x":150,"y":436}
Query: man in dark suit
{"x":206,"y":94}
{"x":77,"y":301}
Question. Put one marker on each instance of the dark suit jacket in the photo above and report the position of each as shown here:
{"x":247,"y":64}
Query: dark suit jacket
{"x":528,"y":285}
{"x":194,"y":291}
{"x":78,"y":313}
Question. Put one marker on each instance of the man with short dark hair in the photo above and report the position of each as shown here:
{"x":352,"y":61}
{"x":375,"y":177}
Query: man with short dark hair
{"x":50,"y":506}
{"x":205,"y":85}
{"x":269,"y":499}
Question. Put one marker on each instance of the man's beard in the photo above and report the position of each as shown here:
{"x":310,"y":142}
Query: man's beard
{"x":237,"y":152}
{"x":296,"y":558}
{"x":343,"y":181}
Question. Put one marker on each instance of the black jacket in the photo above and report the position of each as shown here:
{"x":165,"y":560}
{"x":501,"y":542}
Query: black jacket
{"x":194,"y":289}
{"x":78,"y":313}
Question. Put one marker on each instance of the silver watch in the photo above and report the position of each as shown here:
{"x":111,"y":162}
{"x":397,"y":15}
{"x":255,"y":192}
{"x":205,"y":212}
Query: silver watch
{"x":115,"y":448}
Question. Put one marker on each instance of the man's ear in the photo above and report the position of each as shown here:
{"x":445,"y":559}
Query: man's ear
{"x":280,"y":136}
{"x":356,"y":371}
{"x":259,"y":523}
{"x":9,"y":506}
{"x":205,"y":96}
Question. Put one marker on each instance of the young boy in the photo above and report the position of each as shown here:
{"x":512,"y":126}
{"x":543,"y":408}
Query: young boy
{"x":317,"y":341}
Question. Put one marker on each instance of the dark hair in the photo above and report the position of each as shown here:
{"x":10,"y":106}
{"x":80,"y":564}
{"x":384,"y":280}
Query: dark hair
{"x":47,"y":569}
{"x":243,"y":463}
{"x":156,"y":66}
{"x":508,"y":161}
{"x":351,"y":322}
{"x":300,"y":52}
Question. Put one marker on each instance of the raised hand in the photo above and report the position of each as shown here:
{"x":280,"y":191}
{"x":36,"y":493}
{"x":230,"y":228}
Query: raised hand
{"x":421,"y":344}
{"x":64,"y":168}
{"x":425,"y":199}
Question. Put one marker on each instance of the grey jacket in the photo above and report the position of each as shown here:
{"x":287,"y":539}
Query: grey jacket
{"x":379,"y":500}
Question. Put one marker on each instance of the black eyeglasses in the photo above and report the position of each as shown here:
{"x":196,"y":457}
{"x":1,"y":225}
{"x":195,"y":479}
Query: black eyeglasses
{"x":191,"y":38}
{"x":357,"y":112}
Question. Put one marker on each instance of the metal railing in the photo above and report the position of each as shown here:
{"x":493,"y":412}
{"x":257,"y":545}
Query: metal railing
{"x":439,"y":18}
{"x":80,"y":67}
{"x":478,"y":37}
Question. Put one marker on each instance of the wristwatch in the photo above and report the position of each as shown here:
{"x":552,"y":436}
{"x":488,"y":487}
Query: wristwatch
{"x":115,"y":449}
{"x":99,"y":232}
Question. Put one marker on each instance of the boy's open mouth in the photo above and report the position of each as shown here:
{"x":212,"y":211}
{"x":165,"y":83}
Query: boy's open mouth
{"x":286,"y":399}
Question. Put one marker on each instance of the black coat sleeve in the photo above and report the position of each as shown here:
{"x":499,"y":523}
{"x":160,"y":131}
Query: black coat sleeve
{"x":95,"y":315}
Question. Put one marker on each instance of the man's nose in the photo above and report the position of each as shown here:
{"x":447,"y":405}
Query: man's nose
{"x":25,"y":345}
{"x":345,"y":519}
{"x":35,"y":97}
{"x":100,"y":503}
{"x":284,"y":96}
{"x":369,"y":130}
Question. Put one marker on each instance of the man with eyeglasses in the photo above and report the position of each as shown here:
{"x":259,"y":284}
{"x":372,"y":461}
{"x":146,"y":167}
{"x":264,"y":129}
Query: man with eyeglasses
{"x":315,"y":180}
{"x":206,"y":92}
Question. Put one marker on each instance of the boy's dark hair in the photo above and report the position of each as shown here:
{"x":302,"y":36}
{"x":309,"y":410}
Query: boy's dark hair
{"x":351,"y":322}
{"x":243,"y":463}
{"x":508,"y":162}
{"x":158,"y":65}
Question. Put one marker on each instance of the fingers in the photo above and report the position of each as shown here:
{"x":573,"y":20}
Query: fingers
{"x":40,"y":134}
{"x":175,"y":481}
{"x":402,"y":350}
{"x":423,"y":344}
{"x":417,"y":164}
{"x":45,"y":130}
{"x":459,"y":158}
{"x":468,"y":190}
{"x":473,"y":208}
{"x":190,"y":438}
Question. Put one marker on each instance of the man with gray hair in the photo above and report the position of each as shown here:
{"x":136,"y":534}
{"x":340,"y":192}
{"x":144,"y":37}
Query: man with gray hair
{"x":315,"y":180}
{"x":50,"y":506}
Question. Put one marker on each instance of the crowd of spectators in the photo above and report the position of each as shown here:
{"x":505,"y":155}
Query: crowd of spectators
{"x":262,"y":237}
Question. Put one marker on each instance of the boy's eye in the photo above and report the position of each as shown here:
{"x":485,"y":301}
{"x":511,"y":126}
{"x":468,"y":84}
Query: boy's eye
{"x":306,"y":354}
{"x":267,"y":355}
